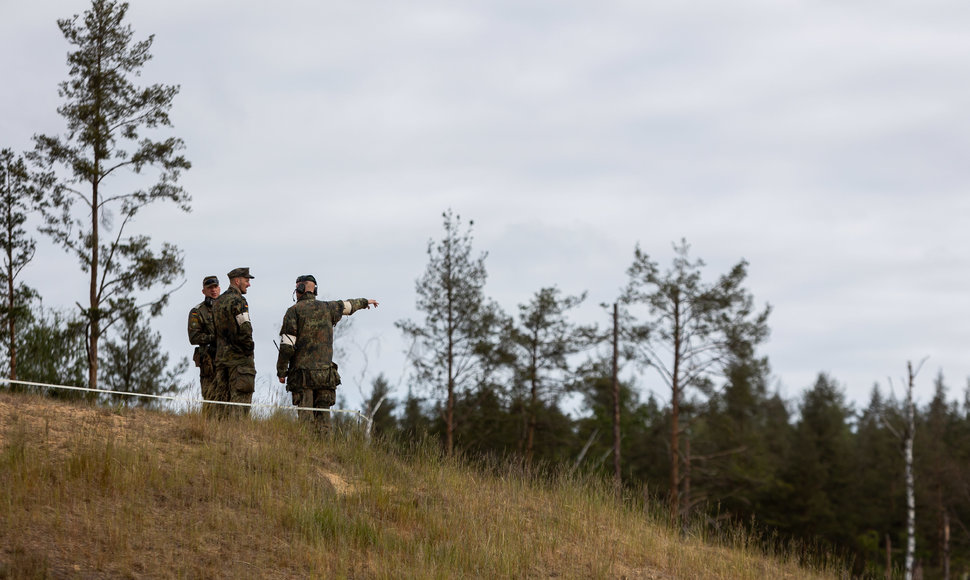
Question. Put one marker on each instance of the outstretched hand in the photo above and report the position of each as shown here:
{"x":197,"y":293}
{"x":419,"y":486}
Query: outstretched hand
{"x":371,"y":302}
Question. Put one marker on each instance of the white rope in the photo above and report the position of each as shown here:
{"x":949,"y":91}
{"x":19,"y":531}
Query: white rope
{"x":185,"y":400}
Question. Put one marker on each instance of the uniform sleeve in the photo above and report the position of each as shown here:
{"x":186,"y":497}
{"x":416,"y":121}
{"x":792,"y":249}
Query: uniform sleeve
{"x":288,"y":335}
{"x":197,"y":332}
{"x":244,"y":328}
{"x":353,"y":305}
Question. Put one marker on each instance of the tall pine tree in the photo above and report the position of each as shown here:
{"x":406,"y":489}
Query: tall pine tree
{"x":879,"y":474}
{"x":940,"y":484}
{"x":17,"y":198}
{"x":732,"y":460}
{"x":544,"y":339}
{"x":86,"y":211}
{"x":687,"y":334}
{"x":457,"y":318}
{"x":820,"y":473}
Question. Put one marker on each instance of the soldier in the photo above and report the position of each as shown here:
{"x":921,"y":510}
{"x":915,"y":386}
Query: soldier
{"x":202,"y":333}
{"x":235,"y":364}
{"x":305,"y":363}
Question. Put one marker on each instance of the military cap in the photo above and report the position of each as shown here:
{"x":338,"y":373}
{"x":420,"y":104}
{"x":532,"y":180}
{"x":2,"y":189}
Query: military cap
{"x":306,"y":278}
{"x":239,"y":273}
{"x":210,"y":281}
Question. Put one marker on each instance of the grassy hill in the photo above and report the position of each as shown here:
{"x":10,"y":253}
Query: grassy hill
{"x":91,"y":492}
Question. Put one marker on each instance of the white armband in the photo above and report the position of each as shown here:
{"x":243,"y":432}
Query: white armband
{"x":242,"y":318}
{"x":348,"y":308}
{"x":287,"y":339}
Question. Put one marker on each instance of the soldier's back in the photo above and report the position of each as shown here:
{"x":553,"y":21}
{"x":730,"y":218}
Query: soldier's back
{"x":315,"y":320}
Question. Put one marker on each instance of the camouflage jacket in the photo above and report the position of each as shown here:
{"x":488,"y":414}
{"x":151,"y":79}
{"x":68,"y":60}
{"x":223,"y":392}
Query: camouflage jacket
{"x":202,"y":332}
{"x":306,"y":338}
{"x":234,"y":331}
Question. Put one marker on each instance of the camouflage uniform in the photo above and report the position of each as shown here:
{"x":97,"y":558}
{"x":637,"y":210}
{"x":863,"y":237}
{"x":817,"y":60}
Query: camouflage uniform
{"x":202,"y":332}
{"x":306,"y":353}
{"x":235,"y":364}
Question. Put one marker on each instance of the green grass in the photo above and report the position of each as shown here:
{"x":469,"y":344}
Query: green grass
{"x":89,"y":492}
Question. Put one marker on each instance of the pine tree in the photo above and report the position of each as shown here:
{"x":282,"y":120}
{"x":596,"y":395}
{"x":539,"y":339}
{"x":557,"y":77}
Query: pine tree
{"x":17,"y":198}
{"x":487,"y":426}
{"x":960,"y":565}
{"x":458,"y":321}
{"x":133,"y":362}
{"x":820,"y":473}
{"x":690,"y":330}
{"x":879,"y":468}
{"x":52,"y":349}
{"x":544,"y":339}
{"x":86,"y":211}
{"x":380,"y":408}
{"x":415,"y":423}
{"x":732,"y":461}
{"x":940,"y":483}
{"x":769,"y":503}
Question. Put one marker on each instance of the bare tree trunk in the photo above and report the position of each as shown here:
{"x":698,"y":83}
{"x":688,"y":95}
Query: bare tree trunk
{"x":582,"y":454}
{"x":94,"y":316}
{"x":95,"y":295}
{"x":906,"y":435}
{"x":686,"y":501}
{"x":616,"y":403}
{"x":450,"y":413}
{"x":533,"y":401}
{"x":674,"y":457}
{"x":910,"y":479}
{"x":10,"y":316}
{"x":675,"y":423}
{"x":10,"y":296}
{"x":946,"y":545}
{"x":889,"y":558}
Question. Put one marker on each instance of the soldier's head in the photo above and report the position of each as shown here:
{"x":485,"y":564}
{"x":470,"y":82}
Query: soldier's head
{"x":210,"y":286}
{"x":306,"y":284}
{"x":239,"y":278}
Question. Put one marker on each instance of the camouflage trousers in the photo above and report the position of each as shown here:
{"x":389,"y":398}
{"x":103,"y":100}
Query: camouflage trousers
{"x":234,"y":384}
{"x":208,"y":382}
{"x":316,"y":399}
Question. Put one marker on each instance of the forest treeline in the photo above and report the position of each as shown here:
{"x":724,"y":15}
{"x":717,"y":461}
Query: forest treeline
{"x":672,"y":398}
{"x":715,"y":443}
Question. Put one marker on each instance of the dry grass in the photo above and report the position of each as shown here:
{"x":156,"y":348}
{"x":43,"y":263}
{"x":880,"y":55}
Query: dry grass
{"x":90,"y":492}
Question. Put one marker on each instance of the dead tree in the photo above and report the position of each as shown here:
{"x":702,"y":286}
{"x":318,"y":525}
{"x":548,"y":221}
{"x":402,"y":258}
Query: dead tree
{"x":906,"y":433}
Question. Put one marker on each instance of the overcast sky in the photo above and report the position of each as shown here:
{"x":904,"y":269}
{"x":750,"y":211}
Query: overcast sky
{"x":824,"y":142}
